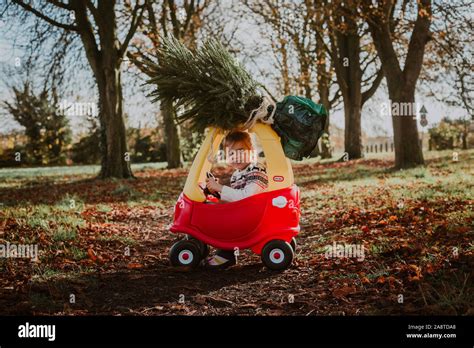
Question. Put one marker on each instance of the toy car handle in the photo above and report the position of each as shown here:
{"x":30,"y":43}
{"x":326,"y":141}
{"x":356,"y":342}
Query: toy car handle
{"x":206,"y":191}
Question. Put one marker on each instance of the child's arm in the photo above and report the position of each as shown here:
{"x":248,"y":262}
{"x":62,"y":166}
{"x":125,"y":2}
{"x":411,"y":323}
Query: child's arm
{"x":229,"y":194}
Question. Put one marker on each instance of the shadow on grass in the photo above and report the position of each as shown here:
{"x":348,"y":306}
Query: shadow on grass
{"x":92,"y":191}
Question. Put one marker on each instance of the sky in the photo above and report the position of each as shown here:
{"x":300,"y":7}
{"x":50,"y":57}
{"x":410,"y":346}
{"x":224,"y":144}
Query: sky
{"x":141,"y":113}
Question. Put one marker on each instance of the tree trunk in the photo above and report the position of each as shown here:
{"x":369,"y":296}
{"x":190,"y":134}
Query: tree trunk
{"x":352,"y":131}
{"x":115,"y":160}
{"x":325,"y":144}
{"x":464,"y":135}
{"x":105,"y":64}
{"x":402,"y":83}
{"x":323,"y":83}
{"x":173,"y":150}
{"x":323,"y":89}
{"x":349,"y":50}
{"x":408,"y":152}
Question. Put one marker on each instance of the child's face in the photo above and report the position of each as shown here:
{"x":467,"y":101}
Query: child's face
{"x":238,"y":155}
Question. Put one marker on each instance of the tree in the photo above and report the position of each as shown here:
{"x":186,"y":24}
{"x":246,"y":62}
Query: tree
{"x":97,"y":28}
{"x":401,"y":82}
{"x":448,"y":58}
{"x":46,"y":127}
{"x":299,"y":51}
{"x":354,"y":67}
{"x":202,"y":81}
{"x":183,"y":22}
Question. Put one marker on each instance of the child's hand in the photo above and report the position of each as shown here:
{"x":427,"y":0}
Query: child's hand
{"x":213,"y":185}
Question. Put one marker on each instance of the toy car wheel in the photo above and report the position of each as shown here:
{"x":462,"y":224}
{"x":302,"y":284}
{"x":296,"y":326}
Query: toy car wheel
{"x":293,"y":244}
{"x":203,"y":247}
{"x":185,"y":253}
{"x":277,"y":255}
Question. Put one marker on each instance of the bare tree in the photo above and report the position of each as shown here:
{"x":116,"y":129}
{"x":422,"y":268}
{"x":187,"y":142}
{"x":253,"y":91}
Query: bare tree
{"x":96,"y":24}
{"x":299,"y":52}
{"x":401,"y":81}
{"x":354,"y":66}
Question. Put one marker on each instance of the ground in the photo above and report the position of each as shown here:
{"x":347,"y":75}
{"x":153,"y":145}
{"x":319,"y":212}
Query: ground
{"x":104,"y":244}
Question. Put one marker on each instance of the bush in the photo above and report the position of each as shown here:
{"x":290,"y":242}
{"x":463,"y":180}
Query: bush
{"x":87,"y":149}
{"x":449,"y":134}
{"x":146,"y":147}
{"x":46,"y":127}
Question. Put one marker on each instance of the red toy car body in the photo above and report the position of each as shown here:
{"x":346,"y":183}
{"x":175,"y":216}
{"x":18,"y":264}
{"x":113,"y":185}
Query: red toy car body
{"x":268,"y":216}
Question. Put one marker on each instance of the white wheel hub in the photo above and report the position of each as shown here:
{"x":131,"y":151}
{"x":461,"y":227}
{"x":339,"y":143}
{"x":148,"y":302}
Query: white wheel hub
{"x":185,"y":257}
{"x":277,"y":255}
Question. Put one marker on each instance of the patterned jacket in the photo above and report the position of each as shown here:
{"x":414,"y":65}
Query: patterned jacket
{"x":245,"y":183}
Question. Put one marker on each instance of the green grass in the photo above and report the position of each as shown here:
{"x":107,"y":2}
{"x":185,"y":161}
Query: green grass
{"x":70,"y":203}
{"x":77,"y":254}
{"x":63,"y":234}
{"x":45,"y":273}
{"x":117,"y":238}
{"x":353,"y":187}
{"x":85,"y":170}
{"x":103,"y":208}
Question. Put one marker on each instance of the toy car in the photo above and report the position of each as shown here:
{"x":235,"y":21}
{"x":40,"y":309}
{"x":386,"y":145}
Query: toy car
{"x":267,"y":223}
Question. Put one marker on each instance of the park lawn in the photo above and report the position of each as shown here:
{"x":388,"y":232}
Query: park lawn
{"x":105,"y":244}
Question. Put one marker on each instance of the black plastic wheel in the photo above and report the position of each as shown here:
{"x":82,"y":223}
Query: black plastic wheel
{"x":293,"y":244}
{"x":185,"y":253}
{"x":203,"y":247}
{"x":277,"y":255}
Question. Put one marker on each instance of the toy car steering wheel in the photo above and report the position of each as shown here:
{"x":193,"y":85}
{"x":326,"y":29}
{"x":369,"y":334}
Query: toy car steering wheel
{"x":207,"y":191}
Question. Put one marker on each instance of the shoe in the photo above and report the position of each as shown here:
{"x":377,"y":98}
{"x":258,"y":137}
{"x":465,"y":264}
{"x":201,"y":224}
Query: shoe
{"x":218,"y":262}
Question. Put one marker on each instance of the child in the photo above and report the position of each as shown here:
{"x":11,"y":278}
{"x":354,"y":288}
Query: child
{"x":249,"y":178}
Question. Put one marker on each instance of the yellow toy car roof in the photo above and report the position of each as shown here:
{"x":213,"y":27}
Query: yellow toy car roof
{"x":279,"y":171}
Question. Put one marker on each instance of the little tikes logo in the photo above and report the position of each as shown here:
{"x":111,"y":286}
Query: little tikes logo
{"x":278,"y":178}
{"x":37,"y":331}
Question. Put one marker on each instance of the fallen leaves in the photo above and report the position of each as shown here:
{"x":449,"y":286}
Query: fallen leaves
{"x":134,"y":265}
{"x":414,"y":273}
{"x":92,"y":254}
{"x":404,"y":244}
{"x":343,"y":291}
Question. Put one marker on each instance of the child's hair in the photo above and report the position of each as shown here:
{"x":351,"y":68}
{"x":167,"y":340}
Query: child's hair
{"x":241,"y":136}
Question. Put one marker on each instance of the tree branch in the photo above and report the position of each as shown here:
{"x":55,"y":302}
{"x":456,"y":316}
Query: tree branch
{"x":87,"y":34}
{"x":375,"y":85}
{"x":416,"y":47}
{"x":135,"y":22}
{"x":60,"y":4}
{"x":152,"y":23}
{"x":44,"y":17}
{"x":381,"y":34}
{"x":93,"y":9}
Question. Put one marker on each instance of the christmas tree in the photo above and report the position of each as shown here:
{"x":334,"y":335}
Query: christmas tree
{"x":209,"y":86}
